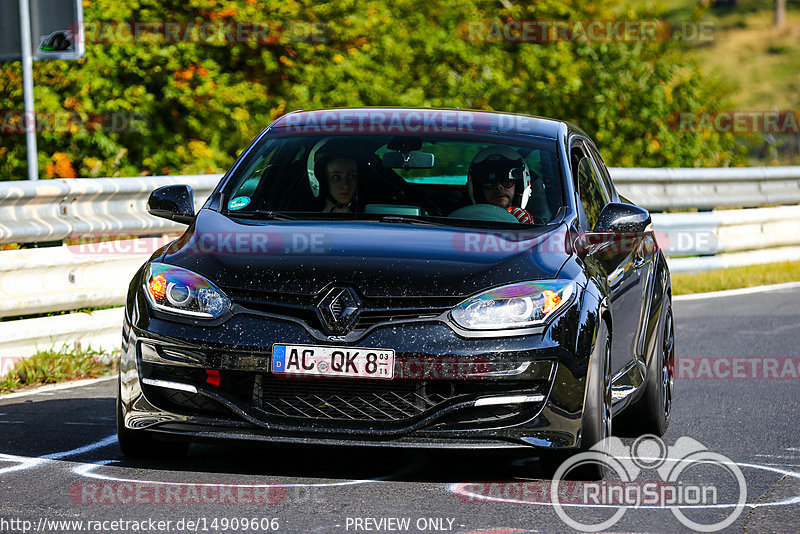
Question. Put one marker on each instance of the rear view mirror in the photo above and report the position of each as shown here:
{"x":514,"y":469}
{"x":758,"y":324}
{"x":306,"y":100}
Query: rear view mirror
{"x":408,"y":160}
{"x":173,"y":202}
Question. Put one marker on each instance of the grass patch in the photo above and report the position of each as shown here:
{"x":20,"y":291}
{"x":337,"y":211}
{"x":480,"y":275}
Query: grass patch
{"x":761,"y":63}
{"x":758,"y":62}
{"x":49,"y":367}
{"x":736,"y":277}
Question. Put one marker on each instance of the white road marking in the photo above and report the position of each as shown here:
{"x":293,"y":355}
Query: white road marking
{"x":736,"y":292}
{"x":87,"y":470}
{"x":57,"y":387}
{"x":22,"y":461}
{"x":105,"y":442}
{"x":457,"y":489}
{"x":25,"y":462}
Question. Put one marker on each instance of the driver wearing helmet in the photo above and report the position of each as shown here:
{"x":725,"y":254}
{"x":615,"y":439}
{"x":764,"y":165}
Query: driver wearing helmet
{"x":499,"y":175}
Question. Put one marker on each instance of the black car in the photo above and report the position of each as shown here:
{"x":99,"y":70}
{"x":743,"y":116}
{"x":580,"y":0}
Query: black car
{"x":401,"y":277}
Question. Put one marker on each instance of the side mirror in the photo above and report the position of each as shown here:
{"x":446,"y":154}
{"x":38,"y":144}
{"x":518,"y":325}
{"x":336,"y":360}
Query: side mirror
{"x":618,"y":226}
{"x":617,"y":218}
{"x":173,"y":202}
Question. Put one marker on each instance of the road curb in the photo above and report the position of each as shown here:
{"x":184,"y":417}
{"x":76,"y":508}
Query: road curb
{"x":57,"y":387}
{"x":736,"y":292}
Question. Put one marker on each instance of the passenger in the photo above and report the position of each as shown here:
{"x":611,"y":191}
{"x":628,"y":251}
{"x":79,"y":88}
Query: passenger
{"x":338,"y":180}
{"x":499,"y":176}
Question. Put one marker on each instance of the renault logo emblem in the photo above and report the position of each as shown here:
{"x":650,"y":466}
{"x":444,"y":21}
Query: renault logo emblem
{"x":339,"y":309}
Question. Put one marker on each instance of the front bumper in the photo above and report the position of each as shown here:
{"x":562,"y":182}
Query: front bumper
{"x":450,"y":391}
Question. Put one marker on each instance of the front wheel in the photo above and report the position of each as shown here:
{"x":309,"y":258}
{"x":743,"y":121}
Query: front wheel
{"x":596,"y":425}
{"x":651,"y":413}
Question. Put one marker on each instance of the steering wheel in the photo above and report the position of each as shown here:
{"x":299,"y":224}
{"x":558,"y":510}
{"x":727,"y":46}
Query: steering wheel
{"x":484,"y":212}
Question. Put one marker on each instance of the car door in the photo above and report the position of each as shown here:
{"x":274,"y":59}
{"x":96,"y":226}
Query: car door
{"x":616,"y":259}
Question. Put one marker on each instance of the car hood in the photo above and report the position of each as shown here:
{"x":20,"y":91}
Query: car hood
{"x":378,"y":259}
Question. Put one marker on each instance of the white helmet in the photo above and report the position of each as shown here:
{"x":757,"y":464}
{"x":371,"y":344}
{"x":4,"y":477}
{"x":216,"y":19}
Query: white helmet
{"x":500,"y":162}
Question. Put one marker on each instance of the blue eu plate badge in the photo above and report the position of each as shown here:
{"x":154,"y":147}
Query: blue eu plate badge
{"x":278,"y":358}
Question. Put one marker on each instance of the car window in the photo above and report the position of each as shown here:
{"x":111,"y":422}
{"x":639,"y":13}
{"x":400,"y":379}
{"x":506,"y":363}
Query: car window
{"x":604,"y":174}
{"x":454,"y":178}
{"x":591,"y":190}
{"x":255,"y":171}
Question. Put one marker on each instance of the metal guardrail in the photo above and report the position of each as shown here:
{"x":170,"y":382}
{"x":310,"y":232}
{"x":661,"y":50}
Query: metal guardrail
{"x":729,"y":238}
{"x":67,"y":278}
{"x":102,"y":330}
{"x":685,"y":189}
{"x":721,"y":231}
{"x":54,"y":210}
{"x":63,"y":278}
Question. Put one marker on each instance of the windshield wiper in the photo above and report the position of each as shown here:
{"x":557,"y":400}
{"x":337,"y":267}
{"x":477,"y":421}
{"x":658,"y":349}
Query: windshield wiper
{"x":409,"y":220}
{"x":262,"y":214}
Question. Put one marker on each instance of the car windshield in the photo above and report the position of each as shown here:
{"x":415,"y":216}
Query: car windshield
{"x":455,"y":180}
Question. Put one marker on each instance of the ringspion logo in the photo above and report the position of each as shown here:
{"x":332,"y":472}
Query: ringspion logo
{"x":677,"y":490}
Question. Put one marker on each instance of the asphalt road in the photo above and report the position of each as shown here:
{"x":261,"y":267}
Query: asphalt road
{"x":735,"y":396}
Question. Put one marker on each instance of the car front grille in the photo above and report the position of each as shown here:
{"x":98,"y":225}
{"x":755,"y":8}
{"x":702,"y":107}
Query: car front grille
{"x":373,"y":311}
{"x":341,"y":401}
{"x":192,"y":402}
{"x":352,"y":400}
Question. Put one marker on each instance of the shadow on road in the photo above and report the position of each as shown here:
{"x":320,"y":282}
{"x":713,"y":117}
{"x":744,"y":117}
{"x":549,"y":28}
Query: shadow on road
{"x":33,"y":428}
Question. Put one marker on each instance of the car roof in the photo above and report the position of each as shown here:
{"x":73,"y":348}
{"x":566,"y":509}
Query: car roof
{"x":371,"y":120}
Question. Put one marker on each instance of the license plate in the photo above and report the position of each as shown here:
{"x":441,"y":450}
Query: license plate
{"x":332,"y":361}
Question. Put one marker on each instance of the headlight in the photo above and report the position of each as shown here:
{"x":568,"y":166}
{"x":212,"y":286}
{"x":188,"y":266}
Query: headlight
{"x":176,"y":290}
{"x":514,"y":306}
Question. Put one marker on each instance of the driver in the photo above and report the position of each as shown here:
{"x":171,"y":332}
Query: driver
{"x":499,"y":175}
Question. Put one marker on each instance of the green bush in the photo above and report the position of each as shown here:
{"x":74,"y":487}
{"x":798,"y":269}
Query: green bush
{"x":204,"y":102}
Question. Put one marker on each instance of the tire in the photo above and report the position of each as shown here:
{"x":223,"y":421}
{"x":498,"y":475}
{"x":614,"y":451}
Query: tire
{"x":651,"y":413}
{"x":597,"y":419}
{"x":142,"y":444}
